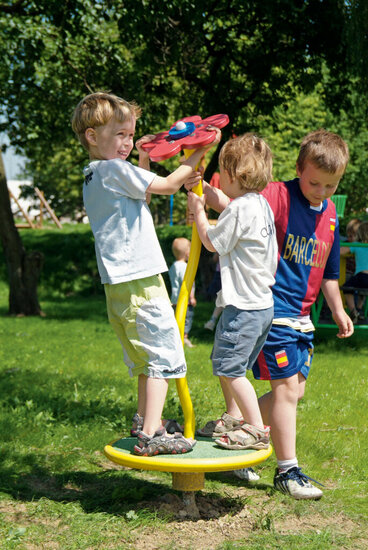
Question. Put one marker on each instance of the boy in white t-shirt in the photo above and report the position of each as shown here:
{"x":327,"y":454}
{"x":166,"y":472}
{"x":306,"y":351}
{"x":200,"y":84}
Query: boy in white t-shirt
{"x":181,"y":249}
{"x":130,"y":260}
{"x":245,"y":240}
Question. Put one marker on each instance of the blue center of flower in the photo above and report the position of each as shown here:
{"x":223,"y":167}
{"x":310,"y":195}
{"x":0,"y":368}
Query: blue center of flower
{"x":181,"y":129}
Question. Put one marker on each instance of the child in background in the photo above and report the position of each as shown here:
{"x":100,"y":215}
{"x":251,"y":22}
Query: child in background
{"x":309,"y":259}
{"x":212,"y":291}
{"x":245,"y":240}
{"x":352,"y":229}
{"x":351,"y":236}
{"x":180,"y":250}
{"x":129,"y":257}
{"x":354,"y":300}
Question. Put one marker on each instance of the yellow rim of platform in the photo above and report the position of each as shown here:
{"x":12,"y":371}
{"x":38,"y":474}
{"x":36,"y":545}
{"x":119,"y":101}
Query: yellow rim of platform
{"x":165,"y":463}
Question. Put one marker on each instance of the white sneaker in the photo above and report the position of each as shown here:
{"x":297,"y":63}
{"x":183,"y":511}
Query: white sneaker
{"x":296,"y":484}
{"x":210,"y":325}
{"x":247,"y":474}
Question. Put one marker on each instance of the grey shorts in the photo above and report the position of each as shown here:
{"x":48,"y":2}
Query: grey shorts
{"x":240,"y":335}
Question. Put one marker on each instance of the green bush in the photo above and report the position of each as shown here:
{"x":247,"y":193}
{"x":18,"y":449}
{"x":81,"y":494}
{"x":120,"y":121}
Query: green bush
{"x":70,"y":263}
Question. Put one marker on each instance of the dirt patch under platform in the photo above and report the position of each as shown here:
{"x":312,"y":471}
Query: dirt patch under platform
{"x":233,"y":518}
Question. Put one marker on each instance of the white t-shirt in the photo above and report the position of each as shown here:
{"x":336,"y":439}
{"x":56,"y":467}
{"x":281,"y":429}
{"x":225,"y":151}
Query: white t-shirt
{"x":127,"y":247}
{"x":245,"y":238}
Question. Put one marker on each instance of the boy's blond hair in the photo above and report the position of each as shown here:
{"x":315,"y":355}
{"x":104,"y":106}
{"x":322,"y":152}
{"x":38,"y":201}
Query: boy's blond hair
{"x":98,"y":109}
{"x":325,"y":150}
{"x":248,"y":160}
{"x":180,"y":246}
{"x":362,"y":233}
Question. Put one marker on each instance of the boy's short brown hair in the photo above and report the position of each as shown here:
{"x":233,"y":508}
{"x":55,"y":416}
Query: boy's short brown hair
{"x":362,"y":233}
{"x":352,"y":227}
{"x":98,"y":109}
{"x":248,"y":160}
{"x":325,"y":150}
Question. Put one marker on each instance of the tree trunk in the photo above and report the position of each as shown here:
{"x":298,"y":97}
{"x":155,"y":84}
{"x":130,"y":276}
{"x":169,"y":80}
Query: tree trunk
{"x":23,"y":268}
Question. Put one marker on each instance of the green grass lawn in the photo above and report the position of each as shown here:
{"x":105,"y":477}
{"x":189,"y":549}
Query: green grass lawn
{"x":65,"y":393}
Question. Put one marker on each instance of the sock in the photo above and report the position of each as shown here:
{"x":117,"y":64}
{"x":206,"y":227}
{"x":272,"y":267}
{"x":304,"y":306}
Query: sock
{"x":285,"y":465}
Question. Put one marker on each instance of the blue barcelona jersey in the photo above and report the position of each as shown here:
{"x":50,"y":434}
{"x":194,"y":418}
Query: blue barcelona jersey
{"x":308,"y":245}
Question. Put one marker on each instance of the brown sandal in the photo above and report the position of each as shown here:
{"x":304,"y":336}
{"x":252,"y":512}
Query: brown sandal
{"x":137,"y":425}
{"x":161,"y":443}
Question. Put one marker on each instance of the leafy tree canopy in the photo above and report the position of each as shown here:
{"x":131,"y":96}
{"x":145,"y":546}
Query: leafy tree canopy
{"x":244,"y":57}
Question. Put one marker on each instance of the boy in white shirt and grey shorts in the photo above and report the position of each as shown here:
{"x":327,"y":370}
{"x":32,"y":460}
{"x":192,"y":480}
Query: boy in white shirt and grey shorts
{"x":245,"y":240}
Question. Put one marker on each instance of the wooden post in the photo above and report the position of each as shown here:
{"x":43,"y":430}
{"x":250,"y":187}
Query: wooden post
{"x":31,"y":225}
{"x":40,"y":218}
{"x":48,"y":207}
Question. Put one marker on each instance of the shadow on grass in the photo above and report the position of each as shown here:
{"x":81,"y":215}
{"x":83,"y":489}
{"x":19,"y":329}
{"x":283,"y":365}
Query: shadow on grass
{"x":111,"y":492}
{"x":104,"y":492}
{"x":230,"y":479}
{"x":69,"y":308}
{"x":35,"y":392}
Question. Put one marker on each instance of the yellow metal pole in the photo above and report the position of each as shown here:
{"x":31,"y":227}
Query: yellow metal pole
{"x":180,"y":314}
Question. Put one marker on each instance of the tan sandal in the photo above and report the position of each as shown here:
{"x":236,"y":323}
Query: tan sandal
{"x":216,"y":428}
{"x":245,"y":437}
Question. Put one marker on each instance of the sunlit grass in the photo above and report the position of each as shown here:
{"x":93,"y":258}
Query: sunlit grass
{"x":65,"y":393}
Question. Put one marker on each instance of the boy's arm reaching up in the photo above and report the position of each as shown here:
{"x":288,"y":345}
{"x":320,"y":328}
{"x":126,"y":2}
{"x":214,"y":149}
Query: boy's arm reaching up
{"x":172,"y":183}
{"x":144,"y":160}
{"x":196,"y":205}
{"x":215,"y":198}
{"x":331,"y":291}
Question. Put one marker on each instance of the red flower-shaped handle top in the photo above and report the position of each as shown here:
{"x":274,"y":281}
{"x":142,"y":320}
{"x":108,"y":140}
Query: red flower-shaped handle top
{"x":187,"y":133}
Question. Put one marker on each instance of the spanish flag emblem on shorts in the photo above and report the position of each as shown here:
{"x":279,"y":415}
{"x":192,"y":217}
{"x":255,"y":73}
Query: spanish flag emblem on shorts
{"x":281,"y":358}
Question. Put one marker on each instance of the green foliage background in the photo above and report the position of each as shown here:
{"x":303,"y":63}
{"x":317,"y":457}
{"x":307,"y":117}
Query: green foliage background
{"x":271,"y":66}
{"x":70,"y":263}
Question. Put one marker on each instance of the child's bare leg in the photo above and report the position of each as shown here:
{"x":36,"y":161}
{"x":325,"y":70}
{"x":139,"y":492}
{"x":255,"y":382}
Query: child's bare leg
{"x":350,"y":301}
{"x":217,"y":312}
{"x":265,"y":400}
{"x":360,"y":301}
{"x":245,"y":396}
{"x":156,"y":390}
{"x":142,"y":381}
{"x":231,"y":406}
{"x":264,"y":403}
{"x":281,"y":404}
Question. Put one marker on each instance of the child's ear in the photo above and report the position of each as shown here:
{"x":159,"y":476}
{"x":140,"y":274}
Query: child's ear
{"x":90,"y":135}
{"x":228,"y":176}
{"x":298,"y":171}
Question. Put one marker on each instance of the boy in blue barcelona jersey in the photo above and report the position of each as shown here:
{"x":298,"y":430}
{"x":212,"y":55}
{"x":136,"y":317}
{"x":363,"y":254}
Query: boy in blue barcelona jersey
{"x":308,"y":244}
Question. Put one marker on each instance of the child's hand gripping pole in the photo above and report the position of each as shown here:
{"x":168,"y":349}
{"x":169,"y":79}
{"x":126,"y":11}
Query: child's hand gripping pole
{"x":180,"y":314}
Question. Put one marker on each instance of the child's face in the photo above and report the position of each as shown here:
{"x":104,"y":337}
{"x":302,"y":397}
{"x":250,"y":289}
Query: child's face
{"x":316,"y":184}
{"x":113,"y":140}
{"x":227,"y":186}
